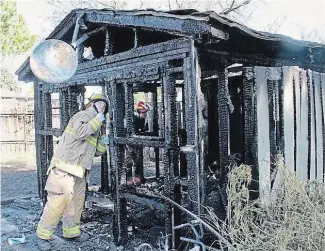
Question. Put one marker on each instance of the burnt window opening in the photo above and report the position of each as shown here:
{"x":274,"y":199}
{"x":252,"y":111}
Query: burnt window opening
{"x":147,"y":37}
{"x":236,"y":118}
{"x":147,"y":124}
{"x":143,"y":162}
{"x":210,"y":90}
{"x":121,"y":39}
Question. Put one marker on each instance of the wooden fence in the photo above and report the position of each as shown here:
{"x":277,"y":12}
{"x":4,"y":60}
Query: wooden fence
{"x":17,"y":124}
{"x":18,"y":130}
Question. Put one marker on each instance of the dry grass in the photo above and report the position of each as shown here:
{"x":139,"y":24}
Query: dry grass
{"x":293,"y":218}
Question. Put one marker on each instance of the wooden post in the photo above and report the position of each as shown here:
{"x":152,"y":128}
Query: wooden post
{"x":249,"y":115}
{"x":311,"y":127}
{"x":288,"y":117}
{"x":263,"y":134}
{"x":319,"y":128}
{"x":322,"y":75}
{"x":302,"y":130}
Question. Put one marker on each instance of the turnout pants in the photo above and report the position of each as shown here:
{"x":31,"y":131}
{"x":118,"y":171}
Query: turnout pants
{"x":65,"y":199}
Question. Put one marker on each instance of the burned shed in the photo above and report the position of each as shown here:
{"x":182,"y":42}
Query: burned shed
{"x":216,"y":87}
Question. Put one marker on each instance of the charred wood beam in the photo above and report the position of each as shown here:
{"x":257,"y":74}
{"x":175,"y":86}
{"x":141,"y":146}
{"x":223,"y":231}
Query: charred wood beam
{"x":250,"y":125}
{"x":168,"y":24}
{"x":170,"y":157}
{"x":64,"y":109}
{"x":76,"y":95}
{"x":261,"y":60}
{"x":191,"y":124}
{"x":140,"y":61}
{"x":80,"y":52}
{"x":138,"y":141}
{"x":249,"y":115}
{"x":48,"y":138}
{"x":139,"y":53}
{"x":39,"y":139}
{"x":129,"y":106}
{"x":145,"y":200}
{"x":48,"y":121}
{"x":136,"y":38}
{"x":156,"y":129}
{"x":106,"y":181}
{"x":117,"y":110}
{"x":223,"y":112}
{"x":108,"y":43}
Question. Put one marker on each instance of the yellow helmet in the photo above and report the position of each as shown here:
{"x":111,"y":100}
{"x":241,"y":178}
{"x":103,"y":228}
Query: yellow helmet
{"x":97,"y":97}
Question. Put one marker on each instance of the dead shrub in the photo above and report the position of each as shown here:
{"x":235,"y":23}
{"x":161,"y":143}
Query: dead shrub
{"x":292,"y":219}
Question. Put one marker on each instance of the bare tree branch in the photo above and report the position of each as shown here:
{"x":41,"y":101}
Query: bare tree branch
{"x":169,"y":5}
{"x":233,"y":7}
{"x":141,"y":4}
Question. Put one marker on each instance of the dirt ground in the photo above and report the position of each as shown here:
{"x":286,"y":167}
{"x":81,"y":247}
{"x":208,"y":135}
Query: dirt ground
{"x":21,"y":209}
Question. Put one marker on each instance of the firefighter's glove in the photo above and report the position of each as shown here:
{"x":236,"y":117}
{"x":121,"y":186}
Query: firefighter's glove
{"x":105,"y":140}
{"x":101,"y":117}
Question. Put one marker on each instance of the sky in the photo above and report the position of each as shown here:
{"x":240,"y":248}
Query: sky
{"x":300,"y":14}
{"x":295,"y":17}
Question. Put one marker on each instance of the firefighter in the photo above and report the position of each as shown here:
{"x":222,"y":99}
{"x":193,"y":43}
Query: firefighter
{"x":134,"y":154}
{"x":68,"y":172}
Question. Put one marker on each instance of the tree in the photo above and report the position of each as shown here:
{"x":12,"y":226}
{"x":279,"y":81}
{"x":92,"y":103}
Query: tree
{"x":7,"y":80}
{"x":14,"y":35}
{"x":311,"y":35}
{"x":235,"y":9}
{"x":62,"y":7}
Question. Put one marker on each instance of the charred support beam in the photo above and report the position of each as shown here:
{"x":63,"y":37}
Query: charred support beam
{"x":76,"y":98}
{"x":39,"y":139}
{"x":311,"y":127}
{"x":192,"y":148}
{"x":80,"y":52}
{"x":250,"y":125}
{"x":64,"y":108}
{"x":48,"y":124}
{"x":156,"y":128}
{"x":136,"y":38}
{"x":322,"y":76}
{"x":117,"y":109}
{"x":261,"y":60}
{"x":106,"y":182}
{"x":48,"y":149}
{"x":170,"y":151}
{"x":129,"y":104}
{"x":223,"y":103}
{"x":181,"y":26}
{"x":45,"y":148}
{"x":108,"y":43}
{"x":249,"y":115}
{"x":138,"y":53}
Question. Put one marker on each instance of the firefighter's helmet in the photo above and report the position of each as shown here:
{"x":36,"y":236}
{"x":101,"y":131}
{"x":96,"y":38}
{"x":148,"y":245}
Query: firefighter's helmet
{"x":142,"y":107}
{"x":98,"y":97}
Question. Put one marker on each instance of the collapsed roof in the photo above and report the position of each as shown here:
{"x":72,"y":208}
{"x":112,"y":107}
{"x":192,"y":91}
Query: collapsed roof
{"x":210,"y":30}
